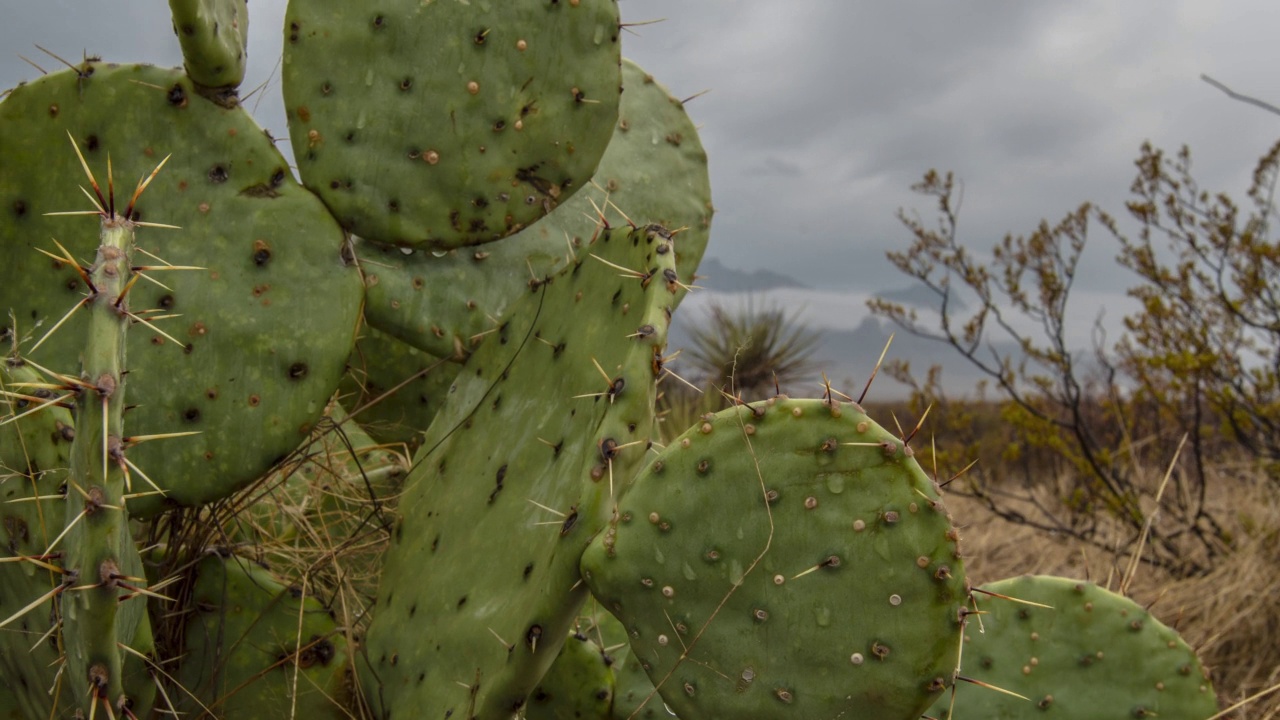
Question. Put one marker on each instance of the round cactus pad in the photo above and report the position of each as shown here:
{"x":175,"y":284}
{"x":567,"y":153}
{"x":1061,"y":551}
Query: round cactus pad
{"x":449,"y":123}
{"x":654,"y":171}
{"x":1090,"y":655}
{"x":256,"y":340}
{"x":787,"y":559}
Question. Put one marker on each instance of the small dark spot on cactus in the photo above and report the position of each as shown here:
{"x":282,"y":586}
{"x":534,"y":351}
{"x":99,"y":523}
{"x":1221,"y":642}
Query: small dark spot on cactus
{"x":1135,"y":626}
{"x":73,"y":283}
{"x":293,"y":32}
{"x":879,"y":650}
{"x":528,"y":570}
{"x":406,"y":83}
{"x":326,"y":88}
{"x":943,"y":573}
{"x":19,"y":208}
{"x":703,"y":466}
{"x":191,"y":415}
{"x":261,"y":252}
{"x":91,"y":142}
{"x":531,"y":637}
{"x":254,"y":401}
{"x":218,"y":174}
{"x":188,"y":348}
{"x":298,"y":370}
{"x":569,"y":522}
{"x":481,"y":36}
{"x":395,"y":659}
{"x":166,"y":302}
{"x":784,"y":695}
{"x":379,"y":22}
{"x":771,"y":496}
{"x":1141,"y":712}
{"x":608,"y":449}
{"x":461,"y":601}
{"x":350,"y":137}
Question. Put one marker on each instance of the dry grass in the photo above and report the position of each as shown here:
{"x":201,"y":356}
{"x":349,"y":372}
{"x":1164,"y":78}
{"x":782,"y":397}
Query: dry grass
{"x":1231,"y":615}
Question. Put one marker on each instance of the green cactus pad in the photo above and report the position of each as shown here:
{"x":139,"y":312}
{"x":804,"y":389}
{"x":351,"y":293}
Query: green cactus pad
{"x":1094,"y":655}
{"x":634,"y":697}
{"x":787,"y":559}
{"x":406,"y":387}
{"x":449,"y":123}
{"x":654,"y":169}
{"x":257,"y":648}
{"x":549,"y":419}
{"x":579,"y":685}
{"x":214,"y":35}
{"x":265,"y":329}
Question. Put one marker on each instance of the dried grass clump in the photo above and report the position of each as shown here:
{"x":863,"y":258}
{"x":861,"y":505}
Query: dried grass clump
{"x":1230,"y":615}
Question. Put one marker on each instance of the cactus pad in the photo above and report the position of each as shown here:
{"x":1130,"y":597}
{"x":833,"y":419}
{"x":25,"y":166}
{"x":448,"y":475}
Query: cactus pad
{"x":1093,"y":655}
{"x":787,"y":559}
{"x":549,"y":419}
{"x":654,"y":169}
{"x":579,"y":685}
{"x":214,"y":35}
{"x":257,"y":648}
{"x":449,"y":123}
{"x":264,"y":330}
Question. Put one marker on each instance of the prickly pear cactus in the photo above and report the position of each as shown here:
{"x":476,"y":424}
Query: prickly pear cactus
{"x":395,"y":388}
{"x":257,"y":648}
{"x":35,"y":452}
{"x":214,"y":35}
{"x":1091,"y":655}
{"x":449,"y":123}
{"x":578,"y":686}
{"x":547,"y":423}
{"x":654,"y":167}
{"x":786,"y":559}
{"x":255,"y":342}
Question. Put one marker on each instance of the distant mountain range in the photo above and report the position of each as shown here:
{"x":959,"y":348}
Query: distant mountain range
{"x":714,"y":275}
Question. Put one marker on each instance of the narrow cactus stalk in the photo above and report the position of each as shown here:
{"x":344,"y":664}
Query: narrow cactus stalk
{"x":100,"y":559}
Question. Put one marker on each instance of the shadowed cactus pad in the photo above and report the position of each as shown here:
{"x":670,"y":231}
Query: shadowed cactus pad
{"x":1092,"y":655}
{"x":258,"y":648}
{"x":546,"y":424}
{"x":579,"y":685}
{"x":449,"y":123}
{"x":263,"y":331}
{"x":787,"y":559}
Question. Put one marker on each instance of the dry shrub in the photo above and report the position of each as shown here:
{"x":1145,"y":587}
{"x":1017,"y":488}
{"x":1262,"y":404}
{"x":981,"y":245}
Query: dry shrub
{"x":1230,"y":615}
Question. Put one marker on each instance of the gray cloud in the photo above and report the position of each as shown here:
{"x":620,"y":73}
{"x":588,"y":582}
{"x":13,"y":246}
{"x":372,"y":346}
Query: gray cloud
{"x":821,"y":114}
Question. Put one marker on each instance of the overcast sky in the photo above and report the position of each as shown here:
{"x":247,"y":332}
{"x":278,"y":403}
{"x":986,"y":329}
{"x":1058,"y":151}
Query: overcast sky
{"x":821,"y":113}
